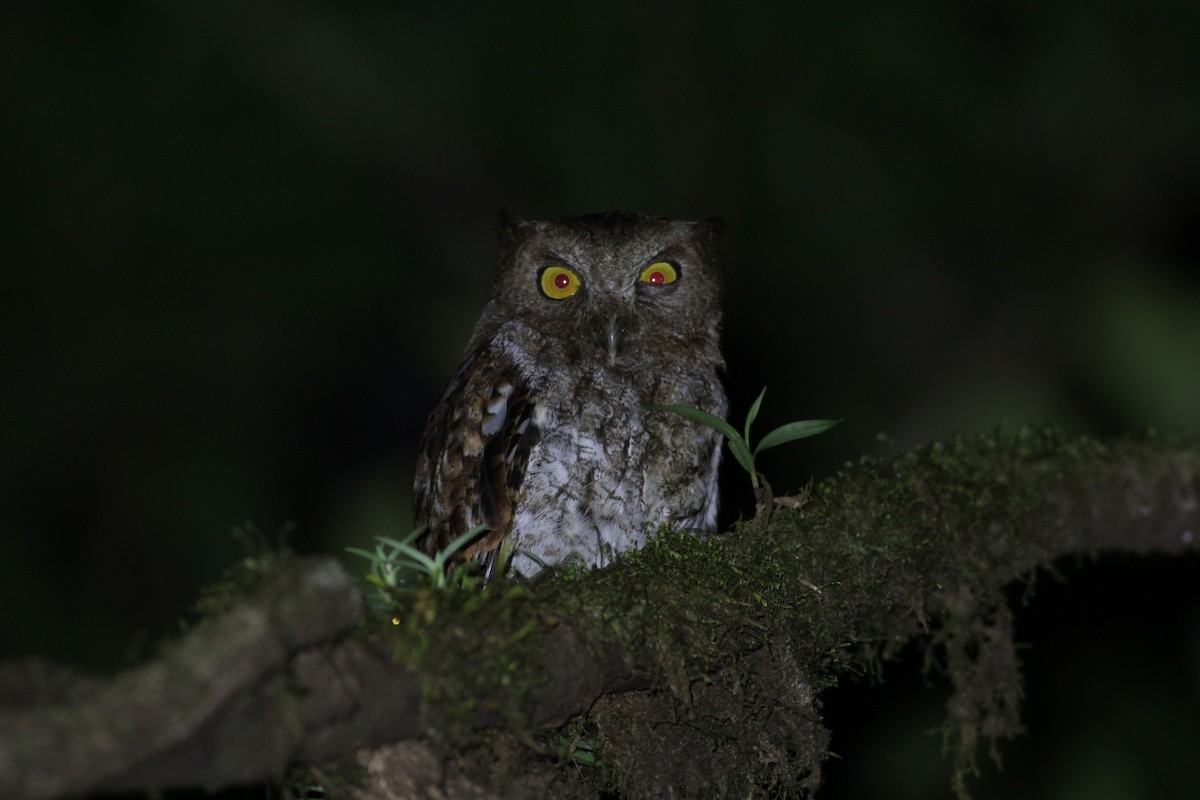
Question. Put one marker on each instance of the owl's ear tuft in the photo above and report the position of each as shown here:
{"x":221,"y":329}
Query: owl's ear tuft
{"x":710,"y":225}
{"x":512,"y":225}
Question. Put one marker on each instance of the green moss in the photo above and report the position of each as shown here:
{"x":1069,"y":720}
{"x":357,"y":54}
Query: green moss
{"x":740,"y":633}
{"x":475,"y":653}
{"x":248,"y":576}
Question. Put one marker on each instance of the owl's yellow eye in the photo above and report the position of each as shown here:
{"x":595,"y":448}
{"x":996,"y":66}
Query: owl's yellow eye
{"x":559,"y":283}
{"x":660,"y":273}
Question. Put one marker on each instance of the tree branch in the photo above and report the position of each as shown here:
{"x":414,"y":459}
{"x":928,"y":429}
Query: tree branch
{"x":728,"y":643}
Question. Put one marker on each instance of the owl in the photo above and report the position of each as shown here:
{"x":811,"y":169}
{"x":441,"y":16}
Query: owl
{"x":547,"y":433}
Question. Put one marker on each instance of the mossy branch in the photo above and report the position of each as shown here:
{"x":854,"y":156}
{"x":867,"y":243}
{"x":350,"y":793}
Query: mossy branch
{"x":728,"y":643}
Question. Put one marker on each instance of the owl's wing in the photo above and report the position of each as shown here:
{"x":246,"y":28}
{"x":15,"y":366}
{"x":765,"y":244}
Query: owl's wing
{"x":473,"y":455}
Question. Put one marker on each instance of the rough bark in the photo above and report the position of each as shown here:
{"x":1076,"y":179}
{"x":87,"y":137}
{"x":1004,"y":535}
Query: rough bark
{"x":690,"y":669}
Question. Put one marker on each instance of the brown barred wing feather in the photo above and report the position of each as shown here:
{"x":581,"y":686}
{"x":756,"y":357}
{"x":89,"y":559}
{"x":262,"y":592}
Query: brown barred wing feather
{"x":473,"y":456}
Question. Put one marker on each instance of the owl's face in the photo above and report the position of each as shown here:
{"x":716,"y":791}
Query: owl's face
{"x":611,"y":285}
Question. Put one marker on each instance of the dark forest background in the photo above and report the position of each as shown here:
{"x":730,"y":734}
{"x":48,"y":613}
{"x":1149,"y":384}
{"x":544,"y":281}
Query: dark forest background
{"x":243,"y":245}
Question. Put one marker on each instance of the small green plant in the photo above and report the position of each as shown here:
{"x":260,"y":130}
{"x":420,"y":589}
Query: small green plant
{"x":583,"y":751}
{"x":739,"y":443}
{"x":397,"y":563}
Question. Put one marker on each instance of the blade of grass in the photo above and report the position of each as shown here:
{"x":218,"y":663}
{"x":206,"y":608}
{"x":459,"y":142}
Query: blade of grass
{"x":458,"y":544}
{"x":358,"y":551}
{"x":744,"y":457}
{"x":793,"y":431}
{"x":711,"y":420}
{"x":750,"y":417}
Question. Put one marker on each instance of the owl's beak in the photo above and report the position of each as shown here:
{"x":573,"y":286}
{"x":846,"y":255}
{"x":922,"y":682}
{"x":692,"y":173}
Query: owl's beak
{"x":613,"y":336}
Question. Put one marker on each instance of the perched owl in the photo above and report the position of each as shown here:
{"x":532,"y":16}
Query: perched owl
{"x":545,"y":433}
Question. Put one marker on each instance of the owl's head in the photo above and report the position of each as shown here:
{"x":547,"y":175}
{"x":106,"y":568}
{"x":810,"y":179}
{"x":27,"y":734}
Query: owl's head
{"x":617,"y":284}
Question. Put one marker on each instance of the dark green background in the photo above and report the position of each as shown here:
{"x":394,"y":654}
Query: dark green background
{"x":244,"y":245}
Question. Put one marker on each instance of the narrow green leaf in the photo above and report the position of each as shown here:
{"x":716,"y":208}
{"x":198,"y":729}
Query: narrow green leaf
{"x":358,"y":551}
{"x":414,"y":533}
{"x":458,"y":544}
{"x":793,"y":431}
{"x":418,"y":559}
{"x":750,"y":417}
{"x":409,"y":538}
{"x":528,"y":554}
{"x":741,"y":452}
{"x":699,"y":415}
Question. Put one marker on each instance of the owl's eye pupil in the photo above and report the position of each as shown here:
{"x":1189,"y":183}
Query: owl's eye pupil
{"x":562,"y":280}
{"x":656,"y":277}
